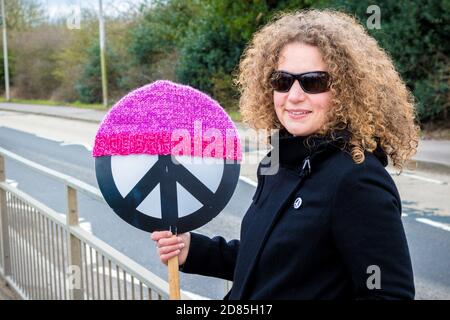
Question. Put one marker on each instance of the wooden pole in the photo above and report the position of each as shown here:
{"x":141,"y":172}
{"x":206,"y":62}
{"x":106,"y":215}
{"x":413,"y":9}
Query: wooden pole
{"x":174,"y":278}
{"x":74,"y":244}
{"x":4,"y":224}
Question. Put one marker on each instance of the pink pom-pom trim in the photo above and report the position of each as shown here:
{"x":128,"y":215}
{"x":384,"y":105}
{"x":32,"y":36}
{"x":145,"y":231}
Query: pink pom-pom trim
{"x":167,"y":118}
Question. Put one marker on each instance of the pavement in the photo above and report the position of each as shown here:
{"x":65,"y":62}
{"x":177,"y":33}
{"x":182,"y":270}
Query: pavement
{"x":88,"y":115}
{"x":433,"y":155}
{"x":5,"y":291}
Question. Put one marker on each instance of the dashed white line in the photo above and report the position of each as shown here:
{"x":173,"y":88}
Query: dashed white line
{"x":12,"y":183}
{"x":415,"y":176}
{"x":85,"y":145}
{"x":248,"y":181}
{"x":434,"y":224}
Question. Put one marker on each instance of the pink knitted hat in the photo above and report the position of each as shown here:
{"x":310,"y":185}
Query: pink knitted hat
{"x":154,"y":119}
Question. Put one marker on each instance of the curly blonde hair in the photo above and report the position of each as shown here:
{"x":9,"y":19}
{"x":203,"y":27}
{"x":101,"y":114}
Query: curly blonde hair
{"x":369,"y":98}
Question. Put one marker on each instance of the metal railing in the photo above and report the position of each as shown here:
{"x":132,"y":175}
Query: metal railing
{"x":46,"y":256}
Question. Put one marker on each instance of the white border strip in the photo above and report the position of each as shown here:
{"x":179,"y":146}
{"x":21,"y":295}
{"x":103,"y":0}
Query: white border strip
{"x":423,"y":178}
{"x":414,"y":176}
{"x":248,"y":181}
{"x":434,"y":224}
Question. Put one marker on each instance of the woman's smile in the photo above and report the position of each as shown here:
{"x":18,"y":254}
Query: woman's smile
{"x":298,"y":114}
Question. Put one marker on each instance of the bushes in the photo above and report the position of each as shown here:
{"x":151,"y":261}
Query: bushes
{"x":415,"y":33}
{"x":89,"y":84}
{"x":159,"y":29}
{"x":34,"y":63}
{"x":210,"y":51}
{"x":2,"y":68}
{"x":199,"y":42}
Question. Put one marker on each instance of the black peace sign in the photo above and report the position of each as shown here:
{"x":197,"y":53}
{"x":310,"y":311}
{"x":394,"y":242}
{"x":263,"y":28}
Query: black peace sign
{"x":167,"y":172}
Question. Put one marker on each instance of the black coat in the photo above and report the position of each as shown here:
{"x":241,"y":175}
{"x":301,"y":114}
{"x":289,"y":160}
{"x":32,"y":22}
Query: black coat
{"x":349,"y":220}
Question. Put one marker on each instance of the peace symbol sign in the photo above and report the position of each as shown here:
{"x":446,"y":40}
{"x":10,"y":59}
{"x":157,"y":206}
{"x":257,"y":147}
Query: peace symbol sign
{"x":162,"y":192}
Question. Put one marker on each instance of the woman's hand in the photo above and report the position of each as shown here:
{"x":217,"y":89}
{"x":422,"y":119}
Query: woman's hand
{"x":170,"y":246}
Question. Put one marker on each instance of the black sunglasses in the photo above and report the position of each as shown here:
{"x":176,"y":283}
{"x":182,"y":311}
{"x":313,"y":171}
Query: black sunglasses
{"x":311,"y":82}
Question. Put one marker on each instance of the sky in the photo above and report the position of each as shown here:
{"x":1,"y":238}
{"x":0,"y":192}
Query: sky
{"x":62,"y":8}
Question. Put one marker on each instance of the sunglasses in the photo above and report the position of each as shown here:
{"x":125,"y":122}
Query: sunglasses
{"x":311,"y":82}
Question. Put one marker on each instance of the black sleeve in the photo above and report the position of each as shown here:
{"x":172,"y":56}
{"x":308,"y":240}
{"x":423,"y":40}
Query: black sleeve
{"x":368,"y":231}
{"x":211,"y":257}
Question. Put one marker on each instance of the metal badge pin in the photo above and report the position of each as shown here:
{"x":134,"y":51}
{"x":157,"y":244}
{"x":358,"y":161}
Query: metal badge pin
{"x":297,"y":203}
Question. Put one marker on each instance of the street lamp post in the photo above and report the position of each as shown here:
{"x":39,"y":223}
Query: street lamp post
{"x":102,"y":55}
{"x":5,"y":52}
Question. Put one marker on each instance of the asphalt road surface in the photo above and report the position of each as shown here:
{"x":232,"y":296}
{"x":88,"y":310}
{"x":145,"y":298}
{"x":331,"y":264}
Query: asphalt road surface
{"x":64,"y":145}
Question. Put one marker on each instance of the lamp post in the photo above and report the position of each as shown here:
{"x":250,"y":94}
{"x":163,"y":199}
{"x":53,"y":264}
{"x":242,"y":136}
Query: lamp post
{"x":5,"y":52}
{"x":102,"y":55}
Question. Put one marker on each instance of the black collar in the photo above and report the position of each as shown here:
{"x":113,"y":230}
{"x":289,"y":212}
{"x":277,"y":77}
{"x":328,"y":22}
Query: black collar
{"x":293,"y":150}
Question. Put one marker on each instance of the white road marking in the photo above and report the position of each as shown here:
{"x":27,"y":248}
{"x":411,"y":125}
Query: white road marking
{"x":248,"y":181}
{"x":439,"y":225}
{"x":415,"y":176}
{"x":410,"y":175}
{"x":404,"y":215}
{"x":87,"y":146}
{"x":12,"y":183}
{"x":86,"y":225}
{"x":82,"y":222}
{"x":45,"y":137}
{"x":194,"y":296}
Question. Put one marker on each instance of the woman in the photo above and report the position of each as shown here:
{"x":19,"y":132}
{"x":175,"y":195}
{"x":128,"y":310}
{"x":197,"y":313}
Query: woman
{"x":328,"y":224}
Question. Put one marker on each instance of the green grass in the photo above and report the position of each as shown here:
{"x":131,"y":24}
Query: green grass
{"x":235,"y":115}
{"x":77,"y":104}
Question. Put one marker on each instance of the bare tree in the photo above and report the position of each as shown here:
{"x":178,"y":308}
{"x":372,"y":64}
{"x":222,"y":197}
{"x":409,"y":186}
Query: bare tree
{"x":24,"y":14}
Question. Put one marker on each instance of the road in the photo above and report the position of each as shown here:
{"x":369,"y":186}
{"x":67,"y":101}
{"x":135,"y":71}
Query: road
{"x":65,"y":145}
